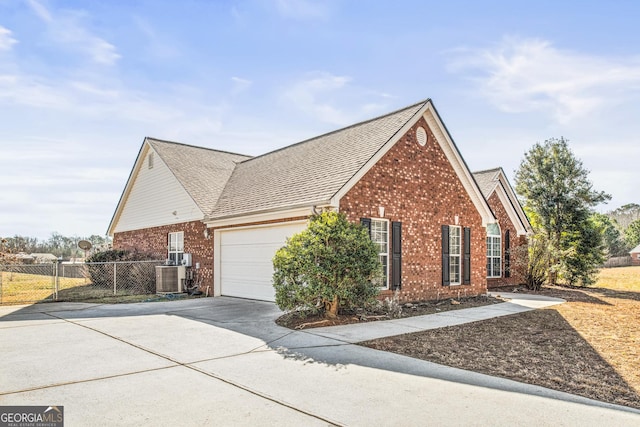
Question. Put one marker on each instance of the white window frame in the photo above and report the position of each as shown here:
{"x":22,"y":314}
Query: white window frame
{"x":379,"y":242}
{"x":175,"y":247}
{"x":455,"y":258}
{"x":494,"y":251}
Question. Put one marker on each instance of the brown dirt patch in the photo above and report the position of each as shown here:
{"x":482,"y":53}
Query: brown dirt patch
{"x":297,"y":320}
{"x":589,"y":346}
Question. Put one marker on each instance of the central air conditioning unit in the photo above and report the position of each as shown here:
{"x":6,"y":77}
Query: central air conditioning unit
{"x":169,"y":278}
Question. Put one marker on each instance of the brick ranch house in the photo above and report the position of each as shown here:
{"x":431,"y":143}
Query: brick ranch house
{"x":400,"y":174}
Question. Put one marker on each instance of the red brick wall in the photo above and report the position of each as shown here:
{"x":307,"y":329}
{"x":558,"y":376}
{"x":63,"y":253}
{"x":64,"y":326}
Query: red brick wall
{"x":155,"y":240}
{"x":517,"y":268}
{"x":418,"y":186}
{"x":634,"y":259}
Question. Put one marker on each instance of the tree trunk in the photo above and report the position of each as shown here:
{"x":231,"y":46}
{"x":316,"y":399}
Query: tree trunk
{"x":331,"y":308}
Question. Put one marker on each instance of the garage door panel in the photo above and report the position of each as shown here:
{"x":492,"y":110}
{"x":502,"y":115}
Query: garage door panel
{"x":246,"y":266}
{"x":248,"y":252}
{"x":247,"y":271}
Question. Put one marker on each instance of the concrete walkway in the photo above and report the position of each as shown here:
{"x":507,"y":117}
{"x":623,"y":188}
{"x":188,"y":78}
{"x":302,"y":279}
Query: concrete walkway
{"x":517,"y":303}
{"x":223,"y":361}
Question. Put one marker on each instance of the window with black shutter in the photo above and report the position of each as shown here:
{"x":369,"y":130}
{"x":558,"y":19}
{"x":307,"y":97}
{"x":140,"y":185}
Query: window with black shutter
{"x":467,"y":256}
{"x":507,"y":254}
{"x":445,"y":256}
{"x":396,"y":255}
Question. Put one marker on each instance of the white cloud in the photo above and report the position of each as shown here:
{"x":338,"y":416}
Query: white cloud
{"x":6,"y":40}
{"x":40,"y":10}
{"x":69,"y":29}
{"x":240,"y":85}
{"x":334,"y":99}
{"x":308,"y":95}
{"x":521,"y":75}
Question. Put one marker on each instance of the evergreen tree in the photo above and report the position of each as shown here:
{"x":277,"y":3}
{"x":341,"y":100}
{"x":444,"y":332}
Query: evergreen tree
{"x":555,"y":185}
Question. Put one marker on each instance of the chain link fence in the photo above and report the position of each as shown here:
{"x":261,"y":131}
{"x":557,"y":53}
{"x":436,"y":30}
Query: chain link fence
{"x":28,"y":283}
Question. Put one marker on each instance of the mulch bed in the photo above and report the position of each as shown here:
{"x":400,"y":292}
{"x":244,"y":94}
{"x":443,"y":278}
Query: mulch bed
{"x":298,"y":320}
{"x":589,"y":346}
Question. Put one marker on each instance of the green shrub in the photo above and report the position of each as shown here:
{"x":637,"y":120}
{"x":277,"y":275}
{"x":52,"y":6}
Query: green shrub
{"x":331,"y":265}
{"x":136,"y":278}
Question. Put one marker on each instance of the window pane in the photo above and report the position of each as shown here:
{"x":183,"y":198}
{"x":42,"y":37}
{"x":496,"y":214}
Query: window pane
{"x":380,"y":236}
{"x":496,"y":246}
{"x":493,"y":230}
{"x":180,"y":244}
{"x":454,"y":269}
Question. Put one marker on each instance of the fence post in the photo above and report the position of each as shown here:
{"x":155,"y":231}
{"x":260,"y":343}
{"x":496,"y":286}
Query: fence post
{"x":115,"y":275}
{"x":56,"y":270}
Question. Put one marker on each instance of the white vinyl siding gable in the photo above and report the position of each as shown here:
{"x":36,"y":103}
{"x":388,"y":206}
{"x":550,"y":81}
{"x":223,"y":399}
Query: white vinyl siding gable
{"x":156,"y":198}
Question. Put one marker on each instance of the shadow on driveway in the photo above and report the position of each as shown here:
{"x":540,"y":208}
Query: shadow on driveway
{"x":224,"y":328}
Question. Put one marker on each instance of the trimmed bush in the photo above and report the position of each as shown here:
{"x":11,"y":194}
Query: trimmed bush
{"x":331,"y":265}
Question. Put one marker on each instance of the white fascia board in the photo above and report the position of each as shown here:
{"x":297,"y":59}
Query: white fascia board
{"x":513,"y":215}
{"x":144,"y":149}
{"x":515,"y":203}
{"x":295,"y":212}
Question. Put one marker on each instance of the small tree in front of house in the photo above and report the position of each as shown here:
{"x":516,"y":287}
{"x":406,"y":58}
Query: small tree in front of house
{"x":331,"y":265}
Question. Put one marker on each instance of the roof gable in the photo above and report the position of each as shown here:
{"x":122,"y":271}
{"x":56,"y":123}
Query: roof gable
{"x":319,"y":171}
{"x":495,"y":181}
{"x":202,"y":172}
{"x":445,"y":141}
{"x":310,"y":172}
{"x":635,"y":250}
{"x":191,"y":177}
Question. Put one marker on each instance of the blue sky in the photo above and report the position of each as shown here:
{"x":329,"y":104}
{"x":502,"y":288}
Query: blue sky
{"x":83,"y":82}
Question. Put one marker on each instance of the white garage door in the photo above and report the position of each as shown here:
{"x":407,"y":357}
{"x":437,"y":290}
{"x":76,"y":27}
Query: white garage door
{"x":246,"y":255}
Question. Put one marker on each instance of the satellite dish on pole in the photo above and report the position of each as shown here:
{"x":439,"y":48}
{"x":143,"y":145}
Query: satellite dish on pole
{"x":85,"y":245}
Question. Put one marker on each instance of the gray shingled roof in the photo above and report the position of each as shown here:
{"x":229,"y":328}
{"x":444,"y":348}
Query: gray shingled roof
{"x":203,"y":172}
{"x":487,"y":180}
{"x":309,"y":172}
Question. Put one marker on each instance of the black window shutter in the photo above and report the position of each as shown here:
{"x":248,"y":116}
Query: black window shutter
{"x":396,"y":255}
{"x":366,"y":222}
{"x":467,"y":256}
{"x":507,"y":254}
{"x":445,"y":256}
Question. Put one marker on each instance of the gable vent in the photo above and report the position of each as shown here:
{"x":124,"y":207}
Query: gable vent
{"x":421,"y":136}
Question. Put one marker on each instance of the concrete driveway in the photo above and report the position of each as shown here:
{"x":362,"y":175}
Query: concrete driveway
{"x":222,"y":361}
